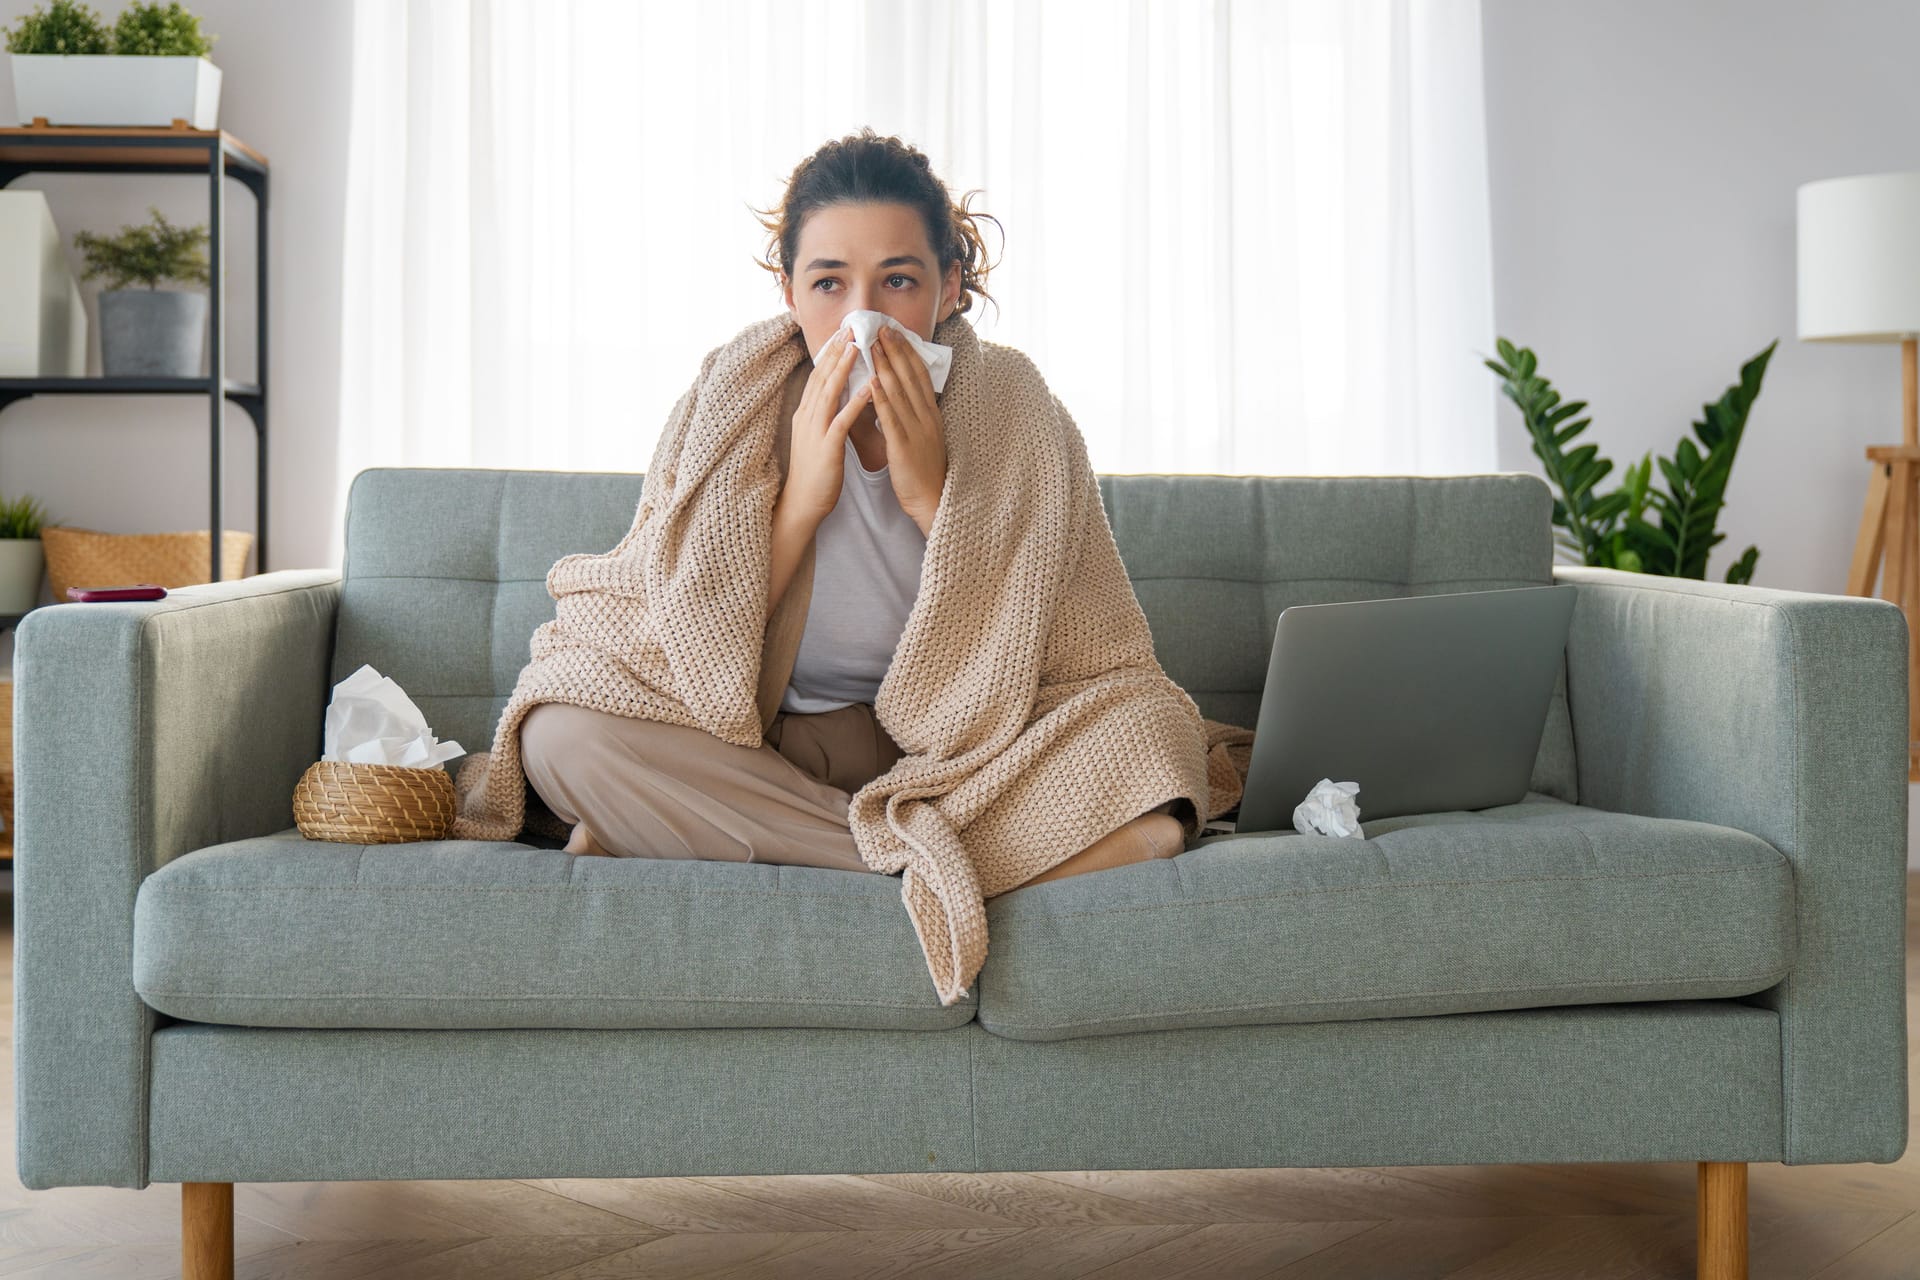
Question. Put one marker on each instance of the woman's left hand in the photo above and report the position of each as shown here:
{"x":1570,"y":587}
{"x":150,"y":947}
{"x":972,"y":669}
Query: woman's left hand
{"x":915,"y":432}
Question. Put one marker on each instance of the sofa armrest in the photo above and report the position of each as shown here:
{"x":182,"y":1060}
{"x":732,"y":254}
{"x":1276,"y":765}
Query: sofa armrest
{"x":142,"y":730}
{"x":1782,"y":714}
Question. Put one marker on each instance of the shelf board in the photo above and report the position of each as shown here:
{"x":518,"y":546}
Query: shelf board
{"x":39,"y":148}
{"x":15,"y":387}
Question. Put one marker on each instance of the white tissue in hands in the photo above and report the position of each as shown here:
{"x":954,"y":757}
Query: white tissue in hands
{"x":371,"y":720}
{"x":1329,"y":810}
{"x":864,"y":325}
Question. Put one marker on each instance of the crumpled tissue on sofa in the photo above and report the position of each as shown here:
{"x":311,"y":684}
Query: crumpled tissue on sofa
{"x":1329,"y":810}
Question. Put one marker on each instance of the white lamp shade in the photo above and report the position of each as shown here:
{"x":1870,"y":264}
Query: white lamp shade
{"x":1859,"y":256}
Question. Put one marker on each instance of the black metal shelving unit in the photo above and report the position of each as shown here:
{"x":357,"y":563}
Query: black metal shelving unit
{"x":7,"y":622}
{"x":217,"y":155}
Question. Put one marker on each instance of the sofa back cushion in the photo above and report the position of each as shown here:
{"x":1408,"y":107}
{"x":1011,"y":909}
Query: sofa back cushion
{"x":445,"y":574}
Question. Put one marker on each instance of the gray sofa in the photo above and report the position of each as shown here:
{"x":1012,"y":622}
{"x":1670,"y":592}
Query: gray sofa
{"x":1685,"y":943}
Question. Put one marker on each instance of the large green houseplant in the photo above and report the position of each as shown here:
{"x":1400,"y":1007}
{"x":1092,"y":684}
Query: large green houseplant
{"x":1612,"y":529}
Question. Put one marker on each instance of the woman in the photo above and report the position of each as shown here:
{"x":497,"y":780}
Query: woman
{"x":865,"y":226}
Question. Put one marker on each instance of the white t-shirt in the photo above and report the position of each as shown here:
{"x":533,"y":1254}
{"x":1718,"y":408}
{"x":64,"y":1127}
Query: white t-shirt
{"x":866,"y":573}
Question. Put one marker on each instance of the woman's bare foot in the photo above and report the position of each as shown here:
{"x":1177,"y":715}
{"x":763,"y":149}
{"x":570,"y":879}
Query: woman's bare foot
{"x":582,"y":842}
{"x":1154,"y":834}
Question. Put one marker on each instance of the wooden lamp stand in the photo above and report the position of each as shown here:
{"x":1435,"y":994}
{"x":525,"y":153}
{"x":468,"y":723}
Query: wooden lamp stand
{"x":1890,"y":524}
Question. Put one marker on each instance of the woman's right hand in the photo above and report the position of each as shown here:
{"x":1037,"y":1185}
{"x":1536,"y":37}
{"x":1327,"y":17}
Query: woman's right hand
{"x":816,"y":460}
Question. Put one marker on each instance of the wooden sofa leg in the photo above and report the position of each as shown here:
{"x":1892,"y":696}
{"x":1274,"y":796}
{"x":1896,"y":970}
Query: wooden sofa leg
{"x":1723,"y":1220}
{"x":206,"y":1230}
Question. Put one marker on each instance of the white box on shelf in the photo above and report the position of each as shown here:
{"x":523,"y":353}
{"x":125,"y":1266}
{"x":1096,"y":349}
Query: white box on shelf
{"x":43,"y":325}
{"x":110,"y":90}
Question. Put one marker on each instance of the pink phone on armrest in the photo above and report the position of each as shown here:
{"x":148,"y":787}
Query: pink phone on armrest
{"x":138,"y":591}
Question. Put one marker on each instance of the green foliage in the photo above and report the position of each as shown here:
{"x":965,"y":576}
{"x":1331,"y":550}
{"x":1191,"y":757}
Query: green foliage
{"x":146,"y":254}
{"x":64,"y":26}
{"x":1612,"y":530}
{"x":160,"y":31}
{"x":21,"y":518}
{"x":145,"y":28}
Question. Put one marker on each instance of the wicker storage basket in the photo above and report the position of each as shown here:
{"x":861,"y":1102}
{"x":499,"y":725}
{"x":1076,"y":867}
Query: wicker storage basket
{"x":373,"y":803}
{"x":89,"y":558}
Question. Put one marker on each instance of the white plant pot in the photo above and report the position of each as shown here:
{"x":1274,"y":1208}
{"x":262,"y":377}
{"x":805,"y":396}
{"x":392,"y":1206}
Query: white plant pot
{"x":112,"y":90}
{"x":21,"y":562}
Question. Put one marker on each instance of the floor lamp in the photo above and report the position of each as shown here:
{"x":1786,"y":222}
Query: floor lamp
{"x":1859,"y":281}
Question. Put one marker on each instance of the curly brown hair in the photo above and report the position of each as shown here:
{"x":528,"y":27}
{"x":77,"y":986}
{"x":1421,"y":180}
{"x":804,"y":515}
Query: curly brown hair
{"x":865,"y":168}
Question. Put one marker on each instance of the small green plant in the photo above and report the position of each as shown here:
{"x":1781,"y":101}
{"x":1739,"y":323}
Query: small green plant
{"x":160,"y":31}
{"x":21,"y":518}
{"x":1611,"y":530}
{"x":65,"y":26}
{"x":146,"y":254}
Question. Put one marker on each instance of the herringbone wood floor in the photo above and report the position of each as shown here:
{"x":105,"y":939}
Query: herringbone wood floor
{"x":1617,"y":1221}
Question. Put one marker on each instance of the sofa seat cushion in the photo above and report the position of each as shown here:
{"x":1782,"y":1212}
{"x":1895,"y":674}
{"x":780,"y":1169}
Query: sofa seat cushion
{"x":282,"y":931}
{"x":1524,"y":905}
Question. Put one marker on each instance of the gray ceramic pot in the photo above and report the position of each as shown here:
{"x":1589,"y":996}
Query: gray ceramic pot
{"x":152,"y":333}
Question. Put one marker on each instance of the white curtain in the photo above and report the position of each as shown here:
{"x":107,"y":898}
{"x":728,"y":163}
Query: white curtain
{"x":1241,"y":236}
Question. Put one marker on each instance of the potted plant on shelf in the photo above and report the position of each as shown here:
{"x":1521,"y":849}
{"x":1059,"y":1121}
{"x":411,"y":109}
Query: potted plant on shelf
{"x":149,"y":69}
{"x":21,"y":556}
{"x":149,"y":332}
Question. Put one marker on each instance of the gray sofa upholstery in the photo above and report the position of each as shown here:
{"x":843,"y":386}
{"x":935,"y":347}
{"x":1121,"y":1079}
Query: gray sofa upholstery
{"x":1685,"y":943}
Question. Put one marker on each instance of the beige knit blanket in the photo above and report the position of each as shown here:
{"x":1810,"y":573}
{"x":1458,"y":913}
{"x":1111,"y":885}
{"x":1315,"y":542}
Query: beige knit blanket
{"x":1024,"y":692}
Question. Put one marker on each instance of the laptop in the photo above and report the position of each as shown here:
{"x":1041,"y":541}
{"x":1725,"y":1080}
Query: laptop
{"x":1430,"y":703}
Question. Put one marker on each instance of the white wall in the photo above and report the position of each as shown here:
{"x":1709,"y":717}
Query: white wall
{"x":1644,"y":159}
{"x":133,"y":464}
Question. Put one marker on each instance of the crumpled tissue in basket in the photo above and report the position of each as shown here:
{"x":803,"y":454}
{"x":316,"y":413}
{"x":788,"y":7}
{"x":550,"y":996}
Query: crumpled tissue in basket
{"x":371,"y":720}
{"x":1329,"y":810}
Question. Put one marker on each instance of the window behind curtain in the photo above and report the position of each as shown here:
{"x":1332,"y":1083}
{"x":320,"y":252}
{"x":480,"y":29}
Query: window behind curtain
{"x":1246,"y":236}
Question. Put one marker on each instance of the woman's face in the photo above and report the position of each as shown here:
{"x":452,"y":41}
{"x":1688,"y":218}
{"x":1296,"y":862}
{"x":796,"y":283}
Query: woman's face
{"x":867,"y":257}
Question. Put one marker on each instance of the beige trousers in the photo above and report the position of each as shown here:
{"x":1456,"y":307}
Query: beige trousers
{"x":652,"y":790}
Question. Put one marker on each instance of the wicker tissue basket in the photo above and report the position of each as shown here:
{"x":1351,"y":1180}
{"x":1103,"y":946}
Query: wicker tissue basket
{"x":373,"y":803}
{"x":89,"y":558}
